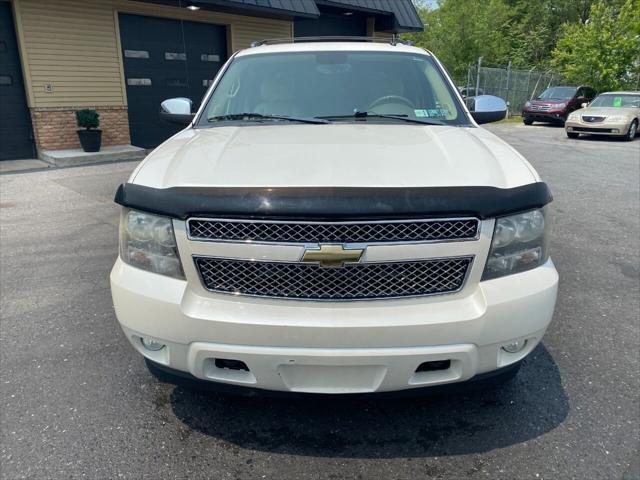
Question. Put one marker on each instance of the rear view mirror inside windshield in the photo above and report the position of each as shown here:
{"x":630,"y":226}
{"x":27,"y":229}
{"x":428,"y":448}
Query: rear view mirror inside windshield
{"x":332,"y":58}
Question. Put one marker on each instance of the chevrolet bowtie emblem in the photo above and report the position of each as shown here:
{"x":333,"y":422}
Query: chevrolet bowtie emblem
{"x":332,"y":256}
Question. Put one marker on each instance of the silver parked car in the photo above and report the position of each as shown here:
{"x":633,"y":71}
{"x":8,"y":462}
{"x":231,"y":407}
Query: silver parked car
{"x":611,"y":113}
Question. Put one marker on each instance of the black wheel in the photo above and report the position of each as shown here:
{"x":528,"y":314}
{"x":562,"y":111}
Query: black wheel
{"x":527,"y":121}
{"x":508,"y":375}
{"x":573,"y":134}
{"x":497,"y":381}
{"x":633,"y":129}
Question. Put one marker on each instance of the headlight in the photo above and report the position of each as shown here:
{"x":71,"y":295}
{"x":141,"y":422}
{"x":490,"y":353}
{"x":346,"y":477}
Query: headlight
{"x":527,"y":104}
{"x":148,"y":242}
{"x":616,"y":119}
{"x":558,"y":106}
{"x":519,"y":244}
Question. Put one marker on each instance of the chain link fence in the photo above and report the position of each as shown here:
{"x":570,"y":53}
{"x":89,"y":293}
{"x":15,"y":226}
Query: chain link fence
{"x":514,"y":86}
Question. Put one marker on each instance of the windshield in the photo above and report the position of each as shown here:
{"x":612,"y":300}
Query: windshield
{"x":339,"y":86}
{"x":558,"y":93}
{"x":612,"y":100}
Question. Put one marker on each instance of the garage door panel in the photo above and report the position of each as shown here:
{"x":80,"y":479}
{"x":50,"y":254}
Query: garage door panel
{"x":166,"y":58}
{"x":16,"y":138}
{"x":331,"y":25}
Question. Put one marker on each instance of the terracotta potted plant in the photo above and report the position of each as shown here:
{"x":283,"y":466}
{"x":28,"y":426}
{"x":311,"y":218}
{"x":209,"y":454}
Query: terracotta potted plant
{"x":91,"y":136}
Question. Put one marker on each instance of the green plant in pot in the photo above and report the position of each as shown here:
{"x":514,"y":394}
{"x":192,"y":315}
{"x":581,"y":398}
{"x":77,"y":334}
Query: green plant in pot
{"x":91,"y":136}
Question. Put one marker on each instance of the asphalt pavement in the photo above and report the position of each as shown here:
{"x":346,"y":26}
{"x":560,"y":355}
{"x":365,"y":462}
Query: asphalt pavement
{"x":77,"y":401}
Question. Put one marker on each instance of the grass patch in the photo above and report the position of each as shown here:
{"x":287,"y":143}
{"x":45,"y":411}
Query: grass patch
{"x":514,"y":119}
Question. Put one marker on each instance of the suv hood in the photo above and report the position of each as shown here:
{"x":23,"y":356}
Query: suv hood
{"x":371,"y":155}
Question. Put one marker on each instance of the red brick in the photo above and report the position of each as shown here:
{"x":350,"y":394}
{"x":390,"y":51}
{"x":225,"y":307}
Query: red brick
{"x":55,"y":128}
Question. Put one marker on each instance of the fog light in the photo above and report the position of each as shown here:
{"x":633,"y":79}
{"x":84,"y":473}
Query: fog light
{"x":515,"y":346}
{"x":615,"y":130}
{"x":151,"y":344}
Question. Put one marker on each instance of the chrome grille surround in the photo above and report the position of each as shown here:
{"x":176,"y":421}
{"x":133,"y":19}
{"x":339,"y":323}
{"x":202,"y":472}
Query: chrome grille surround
{"x":356,"y":281}
{"x":592,"y":118}
{"x":308,"y":232}
{"x":539,"y":108}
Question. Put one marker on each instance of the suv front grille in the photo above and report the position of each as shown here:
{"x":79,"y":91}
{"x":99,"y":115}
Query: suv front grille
{"x":346,"y":232}
{"x":356,"y":281}
{"x":540,"y":108}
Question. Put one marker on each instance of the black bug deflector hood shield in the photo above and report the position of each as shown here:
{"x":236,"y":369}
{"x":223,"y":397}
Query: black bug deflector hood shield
{"x":333,"y":203}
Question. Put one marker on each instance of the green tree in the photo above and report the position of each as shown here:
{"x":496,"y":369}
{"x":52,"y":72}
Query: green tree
{"x":460,"y":31}
{"x":604,"y":51}
{"x":523,"y":32}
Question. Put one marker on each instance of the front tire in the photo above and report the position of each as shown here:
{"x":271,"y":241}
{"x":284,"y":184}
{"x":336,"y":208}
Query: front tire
{"x":633,"y":129}
{"x":509,"y":374}
{"x":573,"y":134}
{"x":527,"y":121}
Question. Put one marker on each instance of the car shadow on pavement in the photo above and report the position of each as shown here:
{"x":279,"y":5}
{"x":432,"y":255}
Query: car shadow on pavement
{"x":477,"y":420}
{"x":603,"y":139}
{"x":546,"y":125}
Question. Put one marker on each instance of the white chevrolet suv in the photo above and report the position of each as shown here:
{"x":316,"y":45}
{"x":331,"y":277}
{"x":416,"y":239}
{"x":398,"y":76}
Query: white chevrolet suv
{"x":333,"y":220}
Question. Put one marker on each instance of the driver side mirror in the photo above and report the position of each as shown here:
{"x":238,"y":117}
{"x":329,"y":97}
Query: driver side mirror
{"x":177,"y":110}
{"x":584,"y":105}
{"x":487,"y":109}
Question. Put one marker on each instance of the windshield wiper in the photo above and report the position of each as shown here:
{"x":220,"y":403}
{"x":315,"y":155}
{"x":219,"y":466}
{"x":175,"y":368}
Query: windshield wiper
{"x":260,"y":116}
{"x":401,"y":116}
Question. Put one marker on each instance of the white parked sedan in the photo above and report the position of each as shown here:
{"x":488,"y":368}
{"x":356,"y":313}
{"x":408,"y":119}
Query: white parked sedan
{"x":612,"y":113}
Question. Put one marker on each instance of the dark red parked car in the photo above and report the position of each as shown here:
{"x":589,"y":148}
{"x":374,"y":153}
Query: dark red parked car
{"x":556,"y":103}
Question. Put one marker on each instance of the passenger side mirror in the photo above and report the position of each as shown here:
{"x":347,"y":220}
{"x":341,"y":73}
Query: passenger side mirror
{"x":487,"y":109}
{"x":177,"y":110}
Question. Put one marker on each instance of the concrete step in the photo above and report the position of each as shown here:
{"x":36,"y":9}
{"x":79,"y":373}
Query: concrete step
{"x":112,"y":153}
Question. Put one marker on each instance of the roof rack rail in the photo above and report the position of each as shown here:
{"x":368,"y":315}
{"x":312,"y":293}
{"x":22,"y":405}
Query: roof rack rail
{"x":394,"y":40}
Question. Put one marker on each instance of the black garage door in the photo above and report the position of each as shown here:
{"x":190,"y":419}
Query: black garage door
{"x":164,"y":59}
{"x":16,"y":139}
{"x":331,"y":24}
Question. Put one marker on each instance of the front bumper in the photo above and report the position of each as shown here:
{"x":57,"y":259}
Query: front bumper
{"x":555,"y":116}
{"x":578,"y":126}
{"x":353,"y":347}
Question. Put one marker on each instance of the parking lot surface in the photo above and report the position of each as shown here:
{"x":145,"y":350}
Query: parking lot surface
{"x":78,"y":402}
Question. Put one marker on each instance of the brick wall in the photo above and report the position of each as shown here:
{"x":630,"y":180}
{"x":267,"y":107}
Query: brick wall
{"x":55,"y":127}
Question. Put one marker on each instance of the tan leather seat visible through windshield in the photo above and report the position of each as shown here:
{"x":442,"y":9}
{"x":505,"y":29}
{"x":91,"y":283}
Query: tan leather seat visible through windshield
{"x":276,"y":97}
